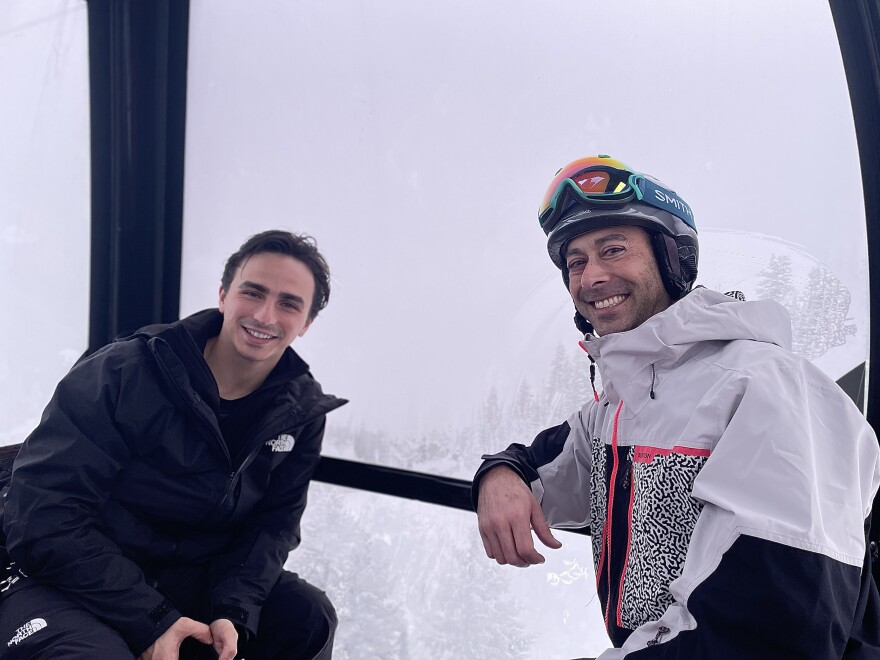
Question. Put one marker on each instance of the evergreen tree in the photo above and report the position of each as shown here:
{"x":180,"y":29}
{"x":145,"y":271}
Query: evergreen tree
{"x":567,"y":386}
{"x":490,"y":419}
{"x":526,"y":411}
{"x":838,"y":308}
{"x":776,"y":281}
{"x":820,"y":319}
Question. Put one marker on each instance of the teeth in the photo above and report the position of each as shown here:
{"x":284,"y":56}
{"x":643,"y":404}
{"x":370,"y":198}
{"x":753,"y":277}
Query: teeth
{"x":258,"y":335}
{"x":609,"y":302}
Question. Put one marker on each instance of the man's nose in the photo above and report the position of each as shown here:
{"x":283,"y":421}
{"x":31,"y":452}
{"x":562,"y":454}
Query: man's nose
{"x":594,"y":274}
{"x":265,"y":313}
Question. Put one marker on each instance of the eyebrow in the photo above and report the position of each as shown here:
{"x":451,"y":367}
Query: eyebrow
{"x":247,"y":284}
{"x":607,"y":238}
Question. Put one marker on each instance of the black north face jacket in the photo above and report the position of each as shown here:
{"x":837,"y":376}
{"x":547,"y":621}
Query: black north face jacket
{"x":127,"y":480}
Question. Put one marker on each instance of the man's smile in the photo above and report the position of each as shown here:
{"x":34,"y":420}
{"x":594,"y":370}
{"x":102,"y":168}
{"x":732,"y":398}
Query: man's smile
{"x":258,"y":334}
{"x":609,"y":302}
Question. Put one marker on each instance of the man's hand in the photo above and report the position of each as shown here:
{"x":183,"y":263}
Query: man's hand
{"x":167,"y":647}
{"x":225,"y":639}
{"x":507,"y":512}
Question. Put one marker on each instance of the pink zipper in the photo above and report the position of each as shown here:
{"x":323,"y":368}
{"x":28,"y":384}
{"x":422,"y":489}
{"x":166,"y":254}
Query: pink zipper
{"x":629,"y":526}
{"x":606,"y":546}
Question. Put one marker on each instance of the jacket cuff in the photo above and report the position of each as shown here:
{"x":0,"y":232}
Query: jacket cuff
{"x":489,"y":463}
{"x":152,"y":627}
{"x":245,"y":618}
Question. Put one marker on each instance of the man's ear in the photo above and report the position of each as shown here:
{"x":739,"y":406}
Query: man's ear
{"x":222,"y":296}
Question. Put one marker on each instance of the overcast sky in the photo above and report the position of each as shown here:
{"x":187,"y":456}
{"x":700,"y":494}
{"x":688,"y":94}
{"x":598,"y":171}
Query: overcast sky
{"x":414,"y":141}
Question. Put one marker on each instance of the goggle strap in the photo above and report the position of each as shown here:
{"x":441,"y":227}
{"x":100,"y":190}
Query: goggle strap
{"x":650,"y":193}
{"x":635,"y":181}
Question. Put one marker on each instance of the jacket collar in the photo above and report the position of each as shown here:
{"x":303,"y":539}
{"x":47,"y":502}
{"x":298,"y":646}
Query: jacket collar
{"x":629,"y":361}
{"x":178,"y":348}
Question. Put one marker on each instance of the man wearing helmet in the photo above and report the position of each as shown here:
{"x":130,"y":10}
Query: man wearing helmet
{"x":726,"y":482}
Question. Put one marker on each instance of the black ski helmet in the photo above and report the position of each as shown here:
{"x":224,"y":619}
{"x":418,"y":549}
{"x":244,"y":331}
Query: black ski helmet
{"x":599,"y":191}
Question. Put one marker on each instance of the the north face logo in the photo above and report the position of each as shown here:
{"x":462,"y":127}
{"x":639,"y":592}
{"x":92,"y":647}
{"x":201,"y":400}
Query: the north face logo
{"x":283,"y":442}
{"x":27,"y":630}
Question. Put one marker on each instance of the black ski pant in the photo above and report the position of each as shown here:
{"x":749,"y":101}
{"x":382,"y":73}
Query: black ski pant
{"x":38,"y":622}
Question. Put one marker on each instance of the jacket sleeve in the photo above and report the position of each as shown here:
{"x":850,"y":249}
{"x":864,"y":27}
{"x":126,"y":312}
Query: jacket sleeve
{"x":777,"y":565}
{"x":60,"y":481}
{"x":243,"y":577}
{"x":555,"y":465}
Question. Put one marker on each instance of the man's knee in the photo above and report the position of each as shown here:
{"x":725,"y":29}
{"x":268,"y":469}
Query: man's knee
{"x":295,"y":599}
{"x":322,"y":612}
{"x":299,"y":617}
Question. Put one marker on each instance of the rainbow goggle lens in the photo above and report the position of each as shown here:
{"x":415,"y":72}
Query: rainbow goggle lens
{"x":601,"y":180}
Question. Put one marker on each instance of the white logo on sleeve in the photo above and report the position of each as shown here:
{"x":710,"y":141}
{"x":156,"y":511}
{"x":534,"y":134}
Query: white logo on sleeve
{"x":27,"y":630}
{"x":283,"y":442}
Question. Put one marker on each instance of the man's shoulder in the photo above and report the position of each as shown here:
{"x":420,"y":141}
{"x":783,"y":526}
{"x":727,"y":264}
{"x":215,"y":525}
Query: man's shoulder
{"x":134,"y":356}
{"x":748,"y":361}
{"x":780,"y":374}
{"x":308,"y":394}
{"x":113,"y":355}
{"x":184,"y":339}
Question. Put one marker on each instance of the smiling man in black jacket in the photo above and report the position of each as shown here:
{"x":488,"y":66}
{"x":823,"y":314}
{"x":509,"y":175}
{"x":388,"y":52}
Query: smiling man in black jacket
{"x":151,"y":511}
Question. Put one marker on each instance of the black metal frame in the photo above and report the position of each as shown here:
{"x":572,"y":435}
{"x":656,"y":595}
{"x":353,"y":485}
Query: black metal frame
{"x":430,"y":488}
{"x":137,"y":69}
{"x":138,"y":65}
{"x":858,"y":31}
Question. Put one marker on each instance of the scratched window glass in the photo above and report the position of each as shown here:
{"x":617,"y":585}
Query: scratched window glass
{"x":415,"y":142}
{"x":44,"y":203}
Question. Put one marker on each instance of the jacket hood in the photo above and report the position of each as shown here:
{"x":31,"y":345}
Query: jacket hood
{"x":701,"y":316}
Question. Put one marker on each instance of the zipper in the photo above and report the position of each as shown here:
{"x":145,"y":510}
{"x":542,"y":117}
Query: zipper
{"x":211,"y":421}
{"x":157,"y":344}
{"x":628,"y":483}
{"x":612,"y":487}
{"x":267,"y":431}
{"x":618,"y":520}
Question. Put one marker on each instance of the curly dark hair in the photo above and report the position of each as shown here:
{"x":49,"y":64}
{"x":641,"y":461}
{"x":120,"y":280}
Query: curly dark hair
{"x":302,"y":247}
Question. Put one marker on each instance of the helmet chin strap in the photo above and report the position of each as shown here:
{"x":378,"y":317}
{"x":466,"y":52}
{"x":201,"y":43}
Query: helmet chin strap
{"x":581,"y":323}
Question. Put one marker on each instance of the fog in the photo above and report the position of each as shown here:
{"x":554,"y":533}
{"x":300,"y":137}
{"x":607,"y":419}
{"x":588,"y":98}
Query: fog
{"x":414,"y":141}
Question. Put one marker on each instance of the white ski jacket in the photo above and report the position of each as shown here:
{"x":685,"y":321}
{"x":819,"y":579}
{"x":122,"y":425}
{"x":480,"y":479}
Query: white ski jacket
{"x":726,"y":483}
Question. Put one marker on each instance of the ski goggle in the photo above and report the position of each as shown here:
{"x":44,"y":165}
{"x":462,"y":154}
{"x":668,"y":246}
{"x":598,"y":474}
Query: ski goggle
{"x":599,"y":180}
